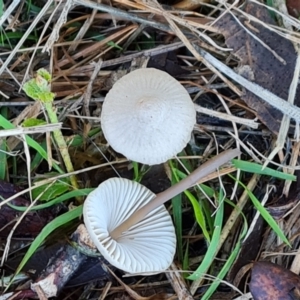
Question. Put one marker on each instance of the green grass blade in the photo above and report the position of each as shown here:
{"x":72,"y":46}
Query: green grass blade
{"x":177,"y":204}
{"x":16,"y":35}
{"x":78,"y":140}
{"x":271,"y":12}
{"x":199,"y":215}
{"x":177,"y":217}
{"x":48,"y":192}
{"x":3,"y":159}
{"x":177,"y":214}
{"x":265,"y":214}
{"x":198,"y":211}
{"x":258,"y":169}
{"x":185,"y":263}
{"x":38,"y":158}
{"x":3,"y":149}
{"x":1,"y":8}
{"x":50,"y":227}
{"x":136,"y":171}
{"x":229,"y":261}
{"x":211,"y":251}
{"x":268,"y":218}
{"x":64,"y":197}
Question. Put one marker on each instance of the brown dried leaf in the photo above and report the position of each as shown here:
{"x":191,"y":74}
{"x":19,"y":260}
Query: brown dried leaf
{"x":293,"y":7}
{"x":272,"y":282}
{"x":248,"y":253}
{"x":32,"y":223}
{"x":259,"y":64}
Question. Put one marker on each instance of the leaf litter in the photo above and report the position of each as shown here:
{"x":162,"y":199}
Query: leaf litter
{"x":265,"y":58}
{"x":162,"y":37}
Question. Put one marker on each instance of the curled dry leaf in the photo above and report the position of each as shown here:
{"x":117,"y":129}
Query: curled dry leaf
{"x":272,"y":282}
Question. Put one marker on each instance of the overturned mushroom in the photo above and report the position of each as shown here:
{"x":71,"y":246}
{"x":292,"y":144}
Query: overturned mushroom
{"x":131,"y":227}
{"x":148,"y":116}
{"x":139,"y":249}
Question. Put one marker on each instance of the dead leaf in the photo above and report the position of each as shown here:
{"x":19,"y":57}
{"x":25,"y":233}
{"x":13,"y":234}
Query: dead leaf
{"x":272,"y":282}
{"x":33,"y":222}
{"x":167,"y":62}
{"x":293,"y":7}
{"x":271,"y":68}
{"x":249,"y":251}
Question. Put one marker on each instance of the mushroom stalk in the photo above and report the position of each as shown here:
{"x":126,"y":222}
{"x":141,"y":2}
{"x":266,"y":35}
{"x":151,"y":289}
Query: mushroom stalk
{"x":202,"y":171}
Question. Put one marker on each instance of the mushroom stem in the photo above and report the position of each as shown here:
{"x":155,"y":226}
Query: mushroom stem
{"x":202,"y":171}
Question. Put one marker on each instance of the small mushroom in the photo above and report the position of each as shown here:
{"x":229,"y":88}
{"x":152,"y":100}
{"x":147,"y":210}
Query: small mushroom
{"x":148,"y":116}
{"x":130,"y":225}
{"x":148,"y":246}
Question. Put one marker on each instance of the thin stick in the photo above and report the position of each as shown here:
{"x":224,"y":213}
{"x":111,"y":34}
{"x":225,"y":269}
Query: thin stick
{"x":204,"y":170}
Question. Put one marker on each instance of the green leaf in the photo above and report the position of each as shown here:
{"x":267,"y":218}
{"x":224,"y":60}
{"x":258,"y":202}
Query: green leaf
{"x":258,"y":169}
{"x":33,"y":122}
{"x":39,"y":88}
{"x":44,"y":74}
{"x":50,"y":191}
{"x":37,"y":92}
{"x":264,"y":213}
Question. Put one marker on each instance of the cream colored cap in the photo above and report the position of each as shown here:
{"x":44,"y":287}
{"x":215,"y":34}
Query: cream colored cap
{"x":148,"y":116}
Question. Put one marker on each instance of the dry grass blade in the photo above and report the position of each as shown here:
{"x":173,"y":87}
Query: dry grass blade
{"x":8,"y":12}
{"x":122,"y":14}
{"x":249,"y":123}
{"x":62,"y":20}
{"x":30,"y":130}
{"x":25,"y":36}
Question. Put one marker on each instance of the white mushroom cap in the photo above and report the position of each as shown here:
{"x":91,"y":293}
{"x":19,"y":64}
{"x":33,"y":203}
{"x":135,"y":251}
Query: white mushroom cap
{"x":148,"y":116}
{"x":148,"y":246}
